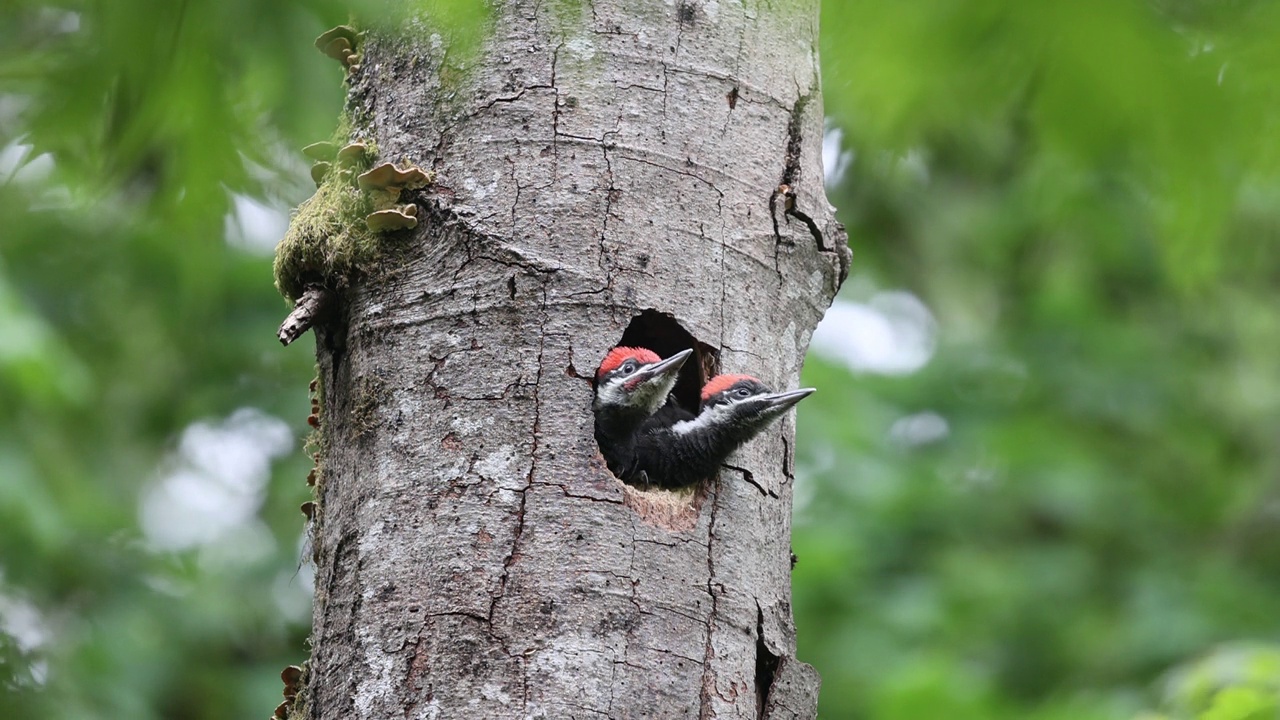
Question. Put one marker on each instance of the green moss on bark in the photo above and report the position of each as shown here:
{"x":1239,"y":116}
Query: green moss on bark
{"x":328,"y":242}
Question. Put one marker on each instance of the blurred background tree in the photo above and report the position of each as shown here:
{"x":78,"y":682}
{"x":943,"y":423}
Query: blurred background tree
{"x":1040,"y":480}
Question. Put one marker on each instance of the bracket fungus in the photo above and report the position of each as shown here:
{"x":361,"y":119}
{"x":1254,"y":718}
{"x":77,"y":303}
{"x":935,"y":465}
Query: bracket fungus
{"x":353,"y":154}
{"x":336,"y":235}
{"x":339,"y":44}
{"x":323,"y":150}
{"x":291,"y":676}
{"x":319,"y":170}
{"x":404,"y":217}
{"x":385,"y":183}
{"x":387,"y":177}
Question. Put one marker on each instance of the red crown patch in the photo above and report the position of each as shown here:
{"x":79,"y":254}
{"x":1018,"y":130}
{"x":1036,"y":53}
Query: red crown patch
{"x":720,"y":383}
{"x":619,"y":355}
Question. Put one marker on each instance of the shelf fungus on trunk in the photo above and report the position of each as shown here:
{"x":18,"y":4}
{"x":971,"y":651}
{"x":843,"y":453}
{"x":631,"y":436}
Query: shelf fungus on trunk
{"x":353,"y":155}
{"x":319,"y":171}
{"x":397,"y":218}
{"x":323,"y":150}
{"x":340,"y":43}
{"x":384,"y":183}
{"x":334,"y":235}
{"x":387,"y":177}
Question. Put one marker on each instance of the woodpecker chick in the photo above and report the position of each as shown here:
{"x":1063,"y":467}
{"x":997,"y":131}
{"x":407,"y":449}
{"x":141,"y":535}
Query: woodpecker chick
{"x":631,"y":385}
{"x":735,"y":408}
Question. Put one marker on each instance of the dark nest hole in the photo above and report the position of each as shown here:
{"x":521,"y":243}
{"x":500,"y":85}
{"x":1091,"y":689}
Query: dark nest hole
{"x":662,"y":334}
{"x":679,"y":509}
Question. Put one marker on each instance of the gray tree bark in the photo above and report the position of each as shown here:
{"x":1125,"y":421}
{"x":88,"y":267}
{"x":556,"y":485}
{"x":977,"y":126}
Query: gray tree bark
{"x":593,"y":160}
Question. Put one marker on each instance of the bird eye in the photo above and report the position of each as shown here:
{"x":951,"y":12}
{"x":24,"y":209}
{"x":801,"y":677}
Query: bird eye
{"x":742,"y":392}
{"x":628,"y":367}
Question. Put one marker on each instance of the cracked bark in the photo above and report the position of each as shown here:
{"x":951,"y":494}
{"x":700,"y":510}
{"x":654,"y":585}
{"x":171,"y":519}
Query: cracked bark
{"x":475,"y":557}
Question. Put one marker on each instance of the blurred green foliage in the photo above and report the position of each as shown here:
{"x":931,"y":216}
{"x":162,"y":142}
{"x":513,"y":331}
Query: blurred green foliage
{"x":125,"y":316}
{"x":1083,"y":193}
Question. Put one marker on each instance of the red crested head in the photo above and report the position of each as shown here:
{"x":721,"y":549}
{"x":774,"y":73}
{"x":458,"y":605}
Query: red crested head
{"x":720,"y":383}
{"x":619,"y":355}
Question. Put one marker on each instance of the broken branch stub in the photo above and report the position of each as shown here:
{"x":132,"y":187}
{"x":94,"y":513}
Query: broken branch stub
{"x":313,"y":302}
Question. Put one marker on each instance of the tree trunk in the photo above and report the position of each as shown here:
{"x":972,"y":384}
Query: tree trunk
{"x":593,"y":161}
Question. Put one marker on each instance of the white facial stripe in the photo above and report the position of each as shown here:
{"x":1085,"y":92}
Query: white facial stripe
{"x":660,"y":394}
{"x":705,"y":419}
{"x":611,"y":393}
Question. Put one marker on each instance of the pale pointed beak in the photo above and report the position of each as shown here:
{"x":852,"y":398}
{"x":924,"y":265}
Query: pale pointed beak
{"x":784,"y":400}
{"x":665,"y":369}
